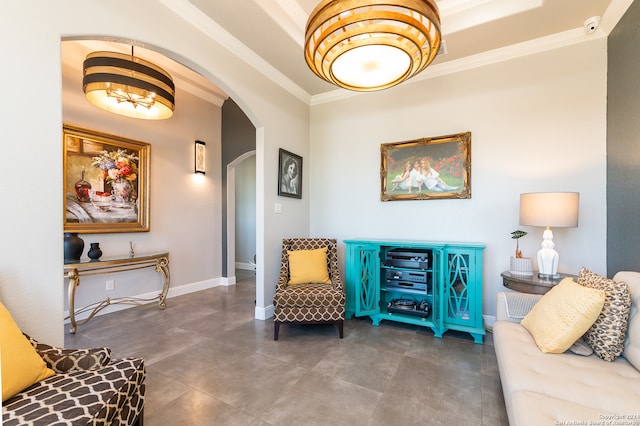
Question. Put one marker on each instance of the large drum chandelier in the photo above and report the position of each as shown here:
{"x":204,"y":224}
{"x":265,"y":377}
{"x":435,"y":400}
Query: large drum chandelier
{"x":368,"y":45}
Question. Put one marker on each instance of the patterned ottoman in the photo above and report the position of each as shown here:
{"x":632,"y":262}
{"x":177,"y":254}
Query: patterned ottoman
{"x":88,"y":388}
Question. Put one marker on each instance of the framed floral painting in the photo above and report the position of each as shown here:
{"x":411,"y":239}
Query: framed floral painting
{"x":427,"y":168}
{"x":106,"y":182}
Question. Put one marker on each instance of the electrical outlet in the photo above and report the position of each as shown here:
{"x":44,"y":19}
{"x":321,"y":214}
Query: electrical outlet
{"x":111,"y":285}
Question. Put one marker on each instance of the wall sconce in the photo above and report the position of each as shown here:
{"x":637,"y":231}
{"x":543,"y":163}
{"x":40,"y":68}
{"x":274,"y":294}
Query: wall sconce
{"x":547,"y":209}
{"x":200,"y":150}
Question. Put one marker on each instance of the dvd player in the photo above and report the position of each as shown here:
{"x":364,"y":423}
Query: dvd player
{"x":402,"y":275}
{"x":415,"y":259}
{"x":413,"y":280}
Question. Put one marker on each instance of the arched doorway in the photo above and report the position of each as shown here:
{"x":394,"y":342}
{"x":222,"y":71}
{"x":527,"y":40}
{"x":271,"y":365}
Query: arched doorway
{"x":239,"y":194}
{"x":214,"y":276}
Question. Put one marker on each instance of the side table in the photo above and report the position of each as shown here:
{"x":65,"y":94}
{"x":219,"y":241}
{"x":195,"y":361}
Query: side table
{"x":74,"y":270}
{"x":531,"y":283}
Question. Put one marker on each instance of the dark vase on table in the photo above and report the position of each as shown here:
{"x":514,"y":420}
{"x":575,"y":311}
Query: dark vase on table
{"x":94,"y":251}
{"x":73,"y":247}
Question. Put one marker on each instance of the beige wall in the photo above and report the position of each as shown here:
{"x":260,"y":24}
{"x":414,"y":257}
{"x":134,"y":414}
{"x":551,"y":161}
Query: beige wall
{"x":538,"y":123}
{"x":185,"y":208}
{"x":31,"y":275}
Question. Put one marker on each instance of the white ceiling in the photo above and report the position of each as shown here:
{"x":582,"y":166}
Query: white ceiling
{"x":269,"y":34}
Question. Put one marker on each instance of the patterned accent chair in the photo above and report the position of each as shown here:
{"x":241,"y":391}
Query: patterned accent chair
{"x":311,"y":303}
{"x":88,"y":388}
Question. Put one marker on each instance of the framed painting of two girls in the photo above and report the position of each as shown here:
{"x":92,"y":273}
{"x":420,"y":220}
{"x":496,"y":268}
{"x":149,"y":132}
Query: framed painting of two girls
{"x":426,"y":168}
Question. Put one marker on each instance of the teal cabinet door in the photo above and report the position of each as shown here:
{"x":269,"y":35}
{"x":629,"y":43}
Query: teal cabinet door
{"x":462,"y":292}
{"x":362,"y":280}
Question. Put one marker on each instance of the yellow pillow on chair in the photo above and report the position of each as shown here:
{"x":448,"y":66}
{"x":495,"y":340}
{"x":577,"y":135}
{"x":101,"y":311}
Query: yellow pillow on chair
{"x":308,"y":266}
{"x":21,"y":364}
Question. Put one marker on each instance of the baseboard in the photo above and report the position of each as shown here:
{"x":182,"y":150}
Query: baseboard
{"x":173,"y":292}
{"x":489,"y":320}
{"x":227,"y":281}
{"x":246,"y":266}
{"x":264,"y":313}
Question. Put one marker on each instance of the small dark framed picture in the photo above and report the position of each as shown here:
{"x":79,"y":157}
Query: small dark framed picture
{"x":289,"y":174}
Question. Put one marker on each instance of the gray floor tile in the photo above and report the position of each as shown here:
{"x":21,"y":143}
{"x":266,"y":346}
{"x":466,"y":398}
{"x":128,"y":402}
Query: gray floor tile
{"x":321,"y":400}
{"x":210,"y":362}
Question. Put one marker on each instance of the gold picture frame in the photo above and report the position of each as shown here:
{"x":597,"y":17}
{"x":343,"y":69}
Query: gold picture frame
{"x":106,"y":182}
{"x":426,"y":169}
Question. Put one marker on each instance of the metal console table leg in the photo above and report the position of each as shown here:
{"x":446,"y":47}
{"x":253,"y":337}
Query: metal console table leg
{"x":74,"y":270}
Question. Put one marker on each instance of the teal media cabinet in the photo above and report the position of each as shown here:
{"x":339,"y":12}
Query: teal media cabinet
{"x":445,"y":276}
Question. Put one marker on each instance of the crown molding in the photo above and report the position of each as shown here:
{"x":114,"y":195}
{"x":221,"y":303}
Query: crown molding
{"x":214,"y":31}
{"x":552,"y":42}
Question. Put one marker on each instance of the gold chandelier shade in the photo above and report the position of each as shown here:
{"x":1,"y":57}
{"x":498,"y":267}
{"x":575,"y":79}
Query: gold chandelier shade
{"x":127,"y":85}
{"x":367,"y":45}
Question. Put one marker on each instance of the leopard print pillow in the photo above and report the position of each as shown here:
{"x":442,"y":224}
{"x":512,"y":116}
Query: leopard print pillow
{"x":606,"y":336}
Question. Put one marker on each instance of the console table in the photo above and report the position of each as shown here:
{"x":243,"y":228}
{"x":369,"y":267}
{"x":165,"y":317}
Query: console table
{"x":447,"y":278}
{"x":531,"y":283}
{"x":107,"y":265}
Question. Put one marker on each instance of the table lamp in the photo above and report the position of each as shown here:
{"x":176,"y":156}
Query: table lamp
{"x":549,"y":209}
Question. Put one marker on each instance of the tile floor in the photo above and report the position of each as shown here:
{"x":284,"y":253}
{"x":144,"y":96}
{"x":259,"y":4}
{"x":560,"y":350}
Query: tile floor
{"x":209,"y":362}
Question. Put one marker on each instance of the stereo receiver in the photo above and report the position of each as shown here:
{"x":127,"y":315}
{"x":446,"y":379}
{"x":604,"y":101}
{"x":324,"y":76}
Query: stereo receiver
{"x":415,"y":280}
{"x":415,"y":259}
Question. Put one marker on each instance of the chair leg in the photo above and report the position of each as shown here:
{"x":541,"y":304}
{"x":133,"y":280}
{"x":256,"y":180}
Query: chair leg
{"x":276,"y":329}
{"x":140,"y":420}
{"x":341,"y":328}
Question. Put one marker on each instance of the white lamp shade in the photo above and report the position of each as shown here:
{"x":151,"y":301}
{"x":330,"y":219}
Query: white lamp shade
{"x":550,"y":209}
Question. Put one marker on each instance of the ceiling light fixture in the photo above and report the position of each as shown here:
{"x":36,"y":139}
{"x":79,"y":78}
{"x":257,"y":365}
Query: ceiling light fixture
{"x":127,"y":85}
{"x":367,"y":45}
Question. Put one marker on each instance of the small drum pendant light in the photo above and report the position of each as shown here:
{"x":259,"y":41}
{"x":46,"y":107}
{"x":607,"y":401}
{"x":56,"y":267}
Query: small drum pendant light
{"x":128,"y":85}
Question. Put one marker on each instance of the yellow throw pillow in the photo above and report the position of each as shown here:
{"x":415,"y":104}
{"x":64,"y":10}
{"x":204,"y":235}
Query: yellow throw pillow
{"x":308,"y":266}
{"x":563,"y":315}
{"x":21,"y":364}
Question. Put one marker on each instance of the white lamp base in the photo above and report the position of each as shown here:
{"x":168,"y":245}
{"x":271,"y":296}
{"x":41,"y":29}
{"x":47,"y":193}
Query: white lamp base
{"x":547,"y":257}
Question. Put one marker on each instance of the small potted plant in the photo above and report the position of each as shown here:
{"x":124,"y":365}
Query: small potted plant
{"x":520,"y":265}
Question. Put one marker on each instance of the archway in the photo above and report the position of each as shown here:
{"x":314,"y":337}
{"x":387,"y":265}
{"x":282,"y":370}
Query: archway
{"x":258,"y":153}
{"x":231,"y":209}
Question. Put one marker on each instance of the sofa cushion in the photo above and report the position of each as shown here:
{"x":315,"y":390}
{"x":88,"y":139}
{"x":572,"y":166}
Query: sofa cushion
{"x":563,"y":315}
{"x":308,"y":266}
{"x":580,"y":347}
{"x":536,"y":409}
{"x":632,"y":342}
{"x":309,"y":295}
{"x":606,"y":335}
{"x":566,"y":379}
{"x":21,"y":364}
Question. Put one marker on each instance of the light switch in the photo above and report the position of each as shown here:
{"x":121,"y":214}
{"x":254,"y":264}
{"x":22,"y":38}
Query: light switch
{"x":278,"y":208}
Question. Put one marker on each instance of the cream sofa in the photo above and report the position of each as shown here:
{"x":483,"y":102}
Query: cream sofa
{"x":555,"y":389}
